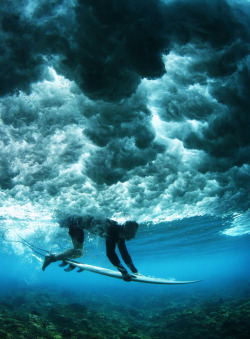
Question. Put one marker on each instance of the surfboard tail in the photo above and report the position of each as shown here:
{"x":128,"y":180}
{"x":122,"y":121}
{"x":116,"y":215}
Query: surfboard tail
{"x":63,"y":264}
{"x":70,"y":268}
{"x":80,"y":270}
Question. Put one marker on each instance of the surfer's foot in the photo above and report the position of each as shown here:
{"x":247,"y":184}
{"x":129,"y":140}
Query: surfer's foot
{"x":49,"y":258}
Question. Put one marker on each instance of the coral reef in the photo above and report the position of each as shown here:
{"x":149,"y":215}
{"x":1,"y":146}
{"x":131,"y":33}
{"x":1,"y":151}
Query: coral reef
{"x":47,"y":314}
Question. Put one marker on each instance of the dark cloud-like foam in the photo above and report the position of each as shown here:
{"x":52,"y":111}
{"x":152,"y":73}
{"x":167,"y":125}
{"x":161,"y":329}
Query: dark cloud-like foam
{"x":19,"y":66}
{"x":108,"y":47}
{"x":27,"y":39}
{"x":125,"y":135}
{"x":198,"y":21}
{"x":115,"y":44}
{"x":148,"y":107}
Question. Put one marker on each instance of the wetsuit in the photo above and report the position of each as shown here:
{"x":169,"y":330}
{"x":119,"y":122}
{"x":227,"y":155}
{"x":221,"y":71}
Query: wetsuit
{"x":113,"y":239}
{"x":111,"y":233}
{"x":76,"y":233}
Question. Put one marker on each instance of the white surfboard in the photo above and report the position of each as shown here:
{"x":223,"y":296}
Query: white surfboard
{"x":115,"y":274}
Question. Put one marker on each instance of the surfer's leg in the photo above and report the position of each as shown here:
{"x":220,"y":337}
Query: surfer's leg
{"x":69,"y":254}
{"x":77,"y":237}
{"x":49,"y":258}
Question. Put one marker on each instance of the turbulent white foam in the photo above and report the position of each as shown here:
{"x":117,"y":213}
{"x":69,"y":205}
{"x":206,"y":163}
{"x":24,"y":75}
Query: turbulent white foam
{"x":50,"y":151}
{"x":175,"y":148}
{"x":240,"y":225}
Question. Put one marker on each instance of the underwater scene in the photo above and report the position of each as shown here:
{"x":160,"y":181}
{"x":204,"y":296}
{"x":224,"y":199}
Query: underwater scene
{"x":59,"y":304}
{"x":125,"y":110}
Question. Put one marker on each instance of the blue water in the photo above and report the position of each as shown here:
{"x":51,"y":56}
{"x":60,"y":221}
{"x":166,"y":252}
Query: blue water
{"x":189,"y":249}
{"x":195,"y":248}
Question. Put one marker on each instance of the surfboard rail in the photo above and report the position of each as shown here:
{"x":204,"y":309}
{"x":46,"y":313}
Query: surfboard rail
{"x":115,"y":274}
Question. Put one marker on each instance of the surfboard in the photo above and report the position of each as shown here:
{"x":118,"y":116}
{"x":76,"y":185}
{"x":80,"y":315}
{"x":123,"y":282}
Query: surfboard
{"x":115,"y":274}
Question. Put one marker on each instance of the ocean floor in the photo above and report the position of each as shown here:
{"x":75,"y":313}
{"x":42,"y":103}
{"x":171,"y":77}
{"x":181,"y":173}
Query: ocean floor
{"x":47,"y":313}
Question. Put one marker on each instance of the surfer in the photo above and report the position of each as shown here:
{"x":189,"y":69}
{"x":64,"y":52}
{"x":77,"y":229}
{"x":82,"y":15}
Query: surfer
{"x":114,"y":233}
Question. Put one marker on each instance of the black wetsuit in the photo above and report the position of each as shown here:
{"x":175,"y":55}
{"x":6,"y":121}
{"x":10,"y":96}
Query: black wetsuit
{"x":76,"y":233}
{"x":113,"y":239}
{"x":112,"y":233}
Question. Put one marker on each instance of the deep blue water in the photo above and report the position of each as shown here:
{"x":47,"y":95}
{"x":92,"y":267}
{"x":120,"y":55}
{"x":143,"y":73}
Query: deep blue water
{"x":188,"y":249}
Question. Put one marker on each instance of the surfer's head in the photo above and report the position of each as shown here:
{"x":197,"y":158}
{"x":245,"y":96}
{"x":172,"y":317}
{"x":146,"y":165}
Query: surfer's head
{"x":131,"y":228}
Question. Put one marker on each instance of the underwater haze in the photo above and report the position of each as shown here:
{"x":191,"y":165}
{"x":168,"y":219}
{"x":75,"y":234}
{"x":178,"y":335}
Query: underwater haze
{"x":129,"y":110}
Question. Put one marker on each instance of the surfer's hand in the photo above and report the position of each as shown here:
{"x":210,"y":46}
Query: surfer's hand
{"x":126,"y":276}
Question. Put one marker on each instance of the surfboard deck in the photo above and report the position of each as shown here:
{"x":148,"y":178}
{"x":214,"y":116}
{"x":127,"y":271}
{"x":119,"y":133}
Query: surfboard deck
{"x":115,"y":274}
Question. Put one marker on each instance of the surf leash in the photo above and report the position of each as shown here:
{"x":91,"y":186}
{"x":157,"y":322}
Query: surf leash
{"x":35,"y":249}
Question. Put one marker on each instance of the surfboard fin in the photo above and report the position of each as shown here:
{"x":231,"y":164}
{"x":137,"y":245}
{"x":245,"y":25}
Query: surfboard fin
{"x":70,"y":268}
{"x":80,"y":270}
{"x":63,"y":264}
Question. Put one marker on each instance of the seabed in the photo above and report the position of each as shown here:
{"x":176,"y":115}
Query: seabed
{"x":54,"y":314}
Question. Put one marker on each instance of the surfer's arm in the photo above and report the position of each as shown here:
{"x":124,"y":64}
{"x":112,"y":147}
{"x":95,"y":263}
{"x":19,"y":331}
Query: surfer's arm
{"x":110,"y":251}
{"x":113,"y":258}
{"x":126,"y":256}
